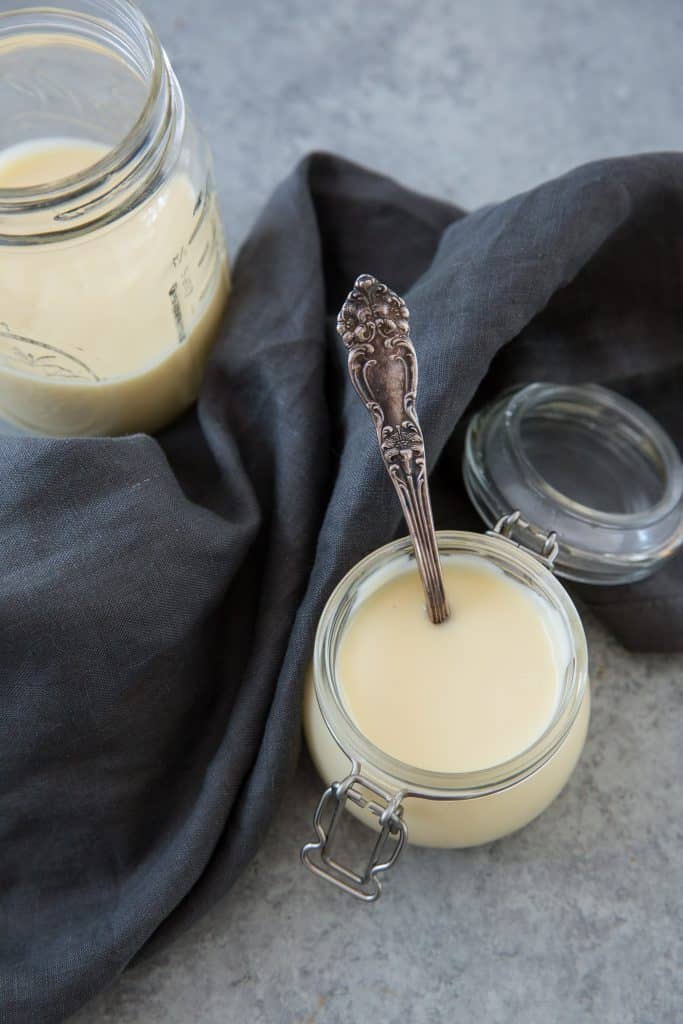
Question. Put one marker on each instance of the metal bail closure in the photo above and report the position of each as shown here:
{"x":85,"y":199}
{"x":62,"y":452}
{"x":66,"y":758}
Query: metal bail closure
{"x":317,"y":855}
{"x":512,"y":527}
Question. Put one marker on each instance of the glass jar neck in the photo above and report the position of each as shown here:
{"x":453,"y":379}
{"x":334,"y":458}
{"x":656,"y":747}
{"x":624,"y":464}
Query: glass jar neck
{"x":137,"y":161}
{"x":408,"y":779}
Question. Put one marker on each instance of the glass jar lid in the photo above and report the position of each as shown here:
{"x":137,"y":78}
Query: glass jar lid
{"x":585,"y":463}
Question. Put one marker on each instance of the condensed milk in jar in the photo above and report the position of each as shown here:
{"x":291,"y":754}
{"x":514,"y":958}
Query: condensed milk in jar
{"x":113,"y":270}
{"x":458,"y":734}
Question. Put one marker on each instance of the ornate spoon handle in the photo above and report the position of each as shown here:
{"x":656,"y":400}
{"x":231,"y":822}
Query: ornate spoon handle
{"x":373,"y":324}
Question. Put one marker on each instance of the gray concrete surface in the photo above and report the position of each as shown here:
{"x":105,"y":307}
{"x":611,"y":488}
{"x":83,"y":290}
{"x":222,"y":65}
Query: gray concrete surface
{"x":577,"y":918}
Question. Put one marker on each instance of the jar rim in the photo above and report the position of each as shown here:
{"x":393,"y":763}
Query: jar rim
{"x":130,"y":36}
{"x":596,"y":545}
{"x":406,"y":778}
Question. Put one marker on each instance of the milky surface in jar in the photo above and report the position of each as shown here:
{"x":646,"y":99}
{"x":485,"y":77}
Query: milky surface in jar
{"x":465,"y":695}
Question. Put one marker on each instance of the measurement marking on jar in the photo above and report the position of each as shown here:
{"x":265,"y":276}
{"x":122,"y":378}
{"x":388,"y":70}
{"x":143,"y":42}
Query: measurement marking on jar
{"x":177,"y":313}
{"x":178,"y":258}
{"x":213,"y":274}
{"x":206,"y":210}
{"x":203,"y":256}
{"x":187,"y":283}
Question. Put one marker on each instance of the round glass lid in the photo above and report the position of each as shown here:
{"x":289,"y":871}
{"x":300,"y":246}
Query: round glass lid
{"x":585,"y":463}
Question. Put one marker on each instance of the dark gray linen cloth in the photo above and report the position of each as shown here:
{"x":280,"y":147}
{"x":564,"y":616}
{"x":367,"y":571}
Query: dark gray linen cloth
{"x":159,"y":596}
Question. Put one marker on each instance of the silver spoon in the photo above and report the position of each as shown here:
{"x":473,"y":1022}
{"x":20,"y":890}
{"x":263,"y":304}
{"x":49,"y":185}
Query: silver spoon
{"x":373,"y":324}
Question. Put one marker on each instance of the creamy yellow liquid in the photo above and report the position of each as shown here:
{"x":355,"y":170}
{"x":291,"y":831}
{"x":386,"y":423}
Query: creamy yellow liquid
{"x":108,"y":333}
{"x":463,"y":696}
{"x":40,"y":163}
{"x":468,"y":694}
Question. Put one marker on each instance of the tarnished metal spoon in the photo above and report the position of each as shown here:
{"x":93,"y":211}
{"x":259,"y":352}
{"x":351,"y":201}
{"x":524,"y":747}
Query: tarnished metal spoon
{"x":373,"y":324}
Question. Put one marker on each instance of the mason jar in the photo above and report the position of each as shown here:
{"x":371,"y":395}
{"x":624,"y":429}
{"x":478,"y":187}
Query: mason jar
{"x":113,"y":271}
{"x":550,"y":514}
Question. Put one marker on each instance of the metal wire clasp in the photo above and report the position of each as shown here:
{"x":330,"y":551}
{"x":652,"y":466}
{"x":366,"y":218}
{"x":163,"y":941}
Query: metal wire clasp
{"x":393,"y":832}
{"x":545,"y":545}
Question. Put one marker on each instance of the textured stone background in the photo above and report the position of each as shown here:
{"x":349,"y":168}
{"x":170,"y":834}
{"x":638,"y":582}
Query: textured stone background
{"x":578,"y":918}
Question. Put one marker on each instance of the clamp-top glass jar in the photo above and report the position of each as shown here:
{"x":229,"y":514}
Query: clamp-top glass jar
{"x":113,"y":273}
{"x":611,"y":518}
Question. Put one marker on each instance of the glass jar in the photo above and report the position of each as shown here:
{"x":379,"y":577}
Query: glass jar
{"x":621,"y":517}
{"x":436,"y":808}
{"x":113,"y":272}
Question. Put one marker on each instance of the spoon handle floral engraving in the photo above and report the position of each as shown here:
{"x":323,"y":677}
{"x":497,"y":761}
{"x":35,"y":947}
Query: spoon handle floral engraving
{"x":373,"y":324}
